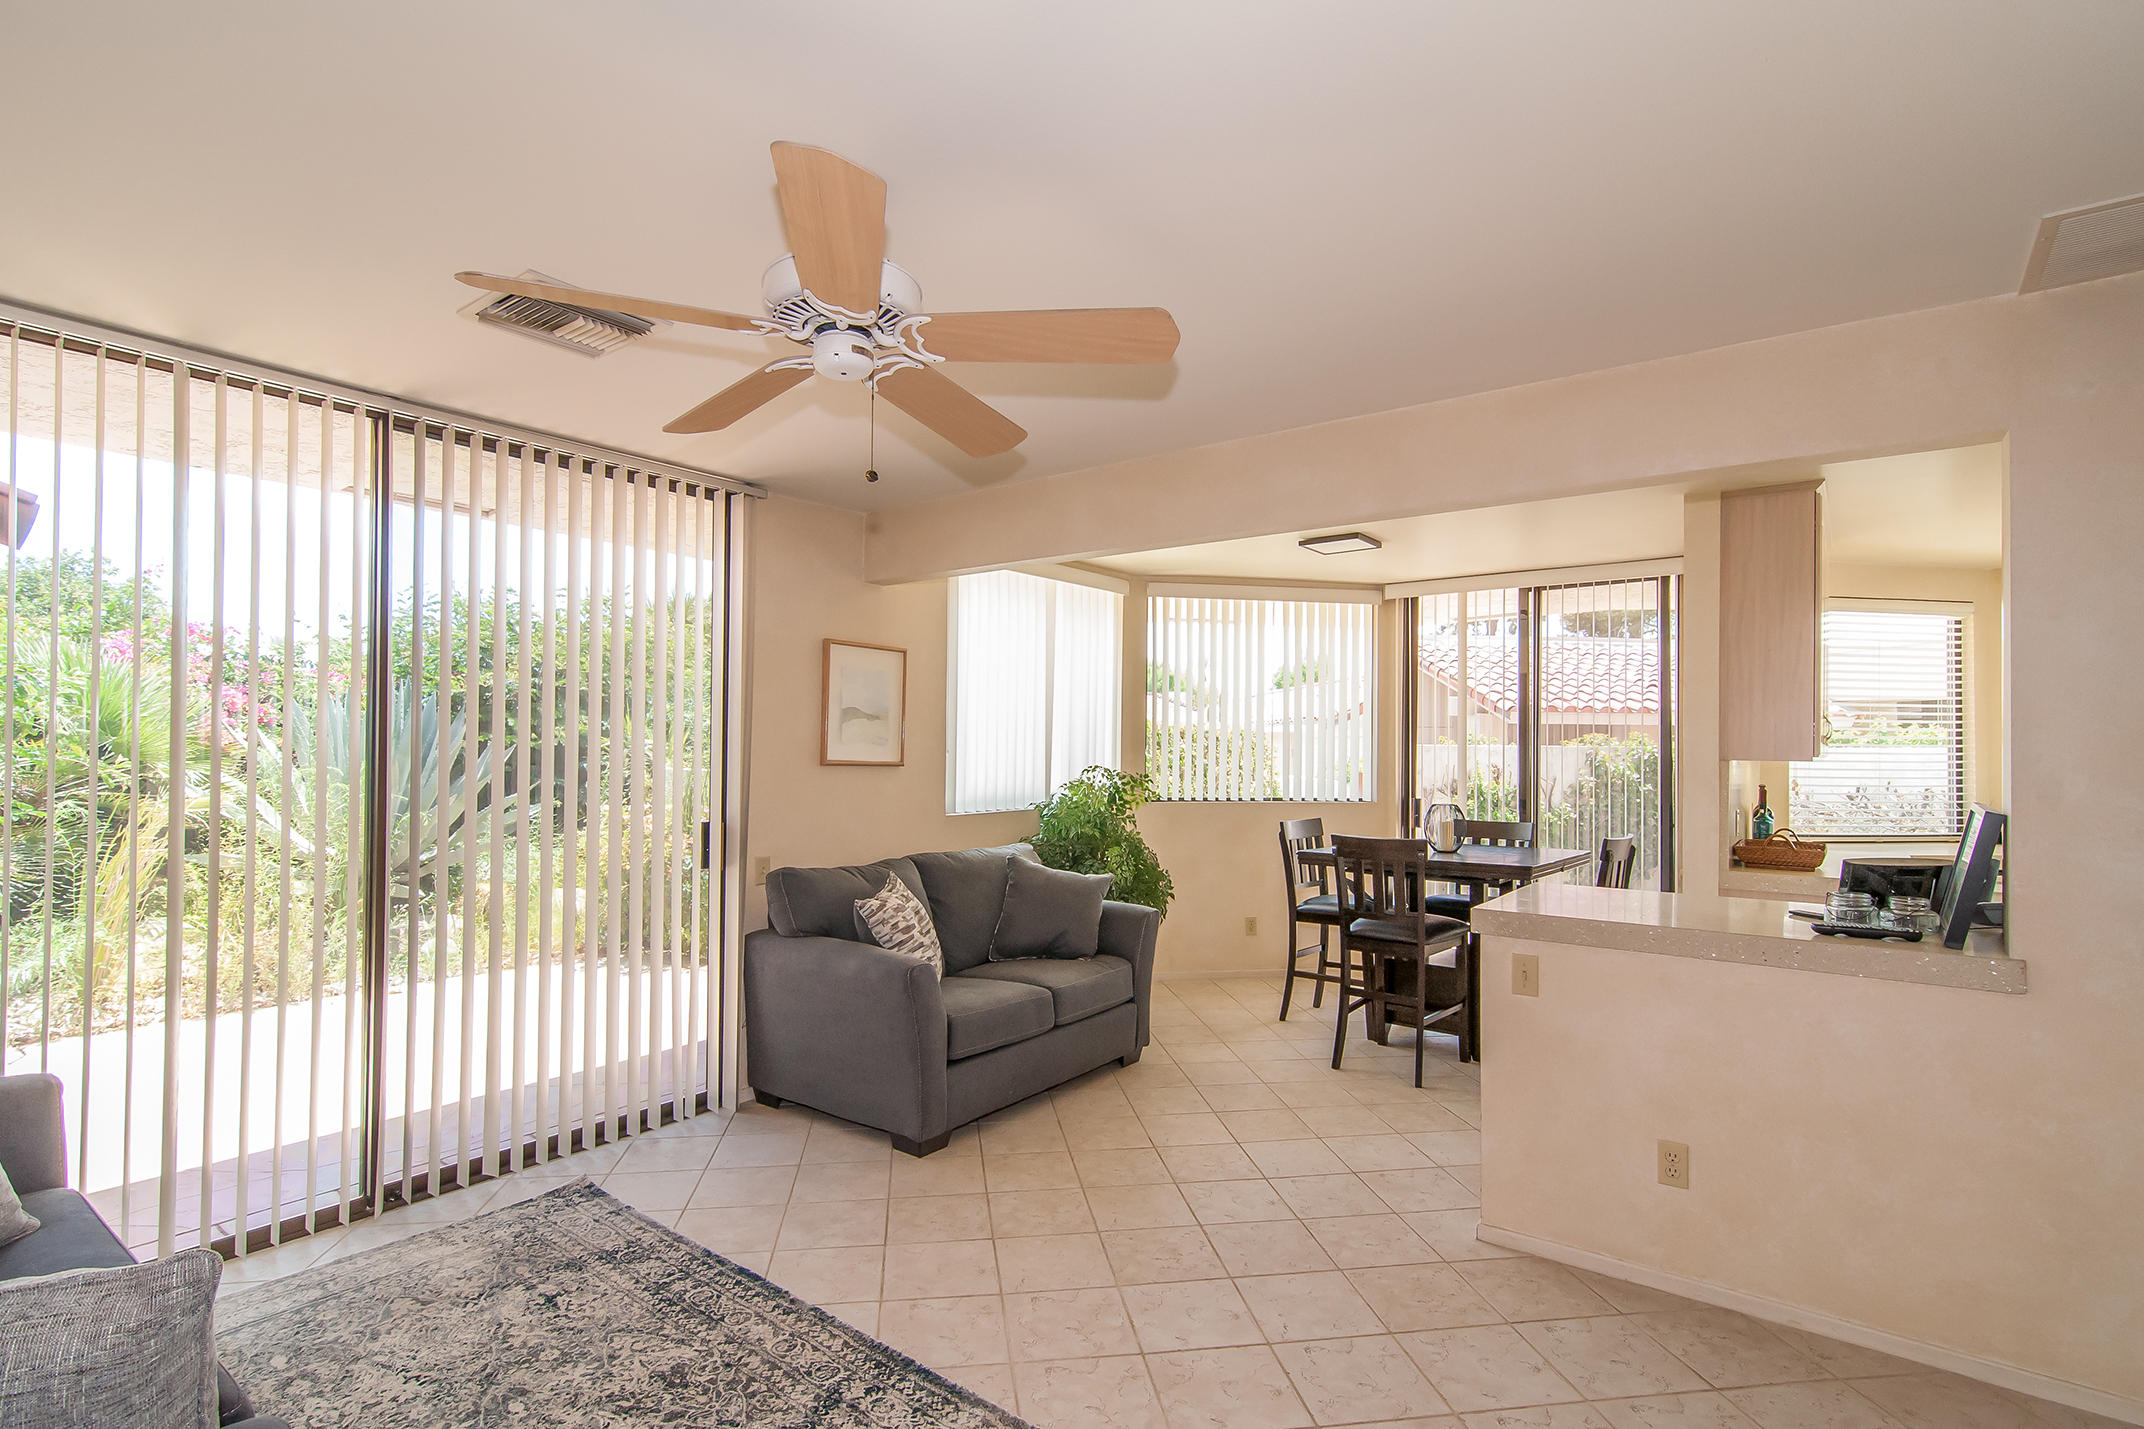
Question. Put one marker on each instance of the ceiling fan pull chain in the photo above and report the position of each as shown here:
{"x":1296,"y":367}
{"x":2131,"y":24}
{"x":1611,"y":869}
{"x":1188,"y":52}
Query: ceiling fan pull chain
{"x":871,"y":471}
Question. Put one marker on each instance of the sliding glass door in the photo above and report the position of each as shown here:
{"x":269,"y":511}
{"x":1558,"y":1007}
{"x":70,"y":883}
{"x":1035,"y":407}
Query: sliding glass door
{"x":1552,"y":704}
{"x":362,"y":776}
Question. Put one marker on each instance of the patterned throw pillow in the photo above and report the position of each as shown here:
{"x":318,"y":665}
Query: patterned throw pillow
{"x":125,"y":1346}
{"x":15,"y":1222}
{"x":899,"y":923}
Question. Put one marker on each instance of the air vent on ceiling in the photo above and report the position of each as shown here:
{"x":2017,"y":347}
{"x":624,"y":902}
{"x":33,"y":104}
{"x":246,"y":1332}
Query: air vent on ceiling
{"x":2086,"y":243}
{"x":588,"y":331}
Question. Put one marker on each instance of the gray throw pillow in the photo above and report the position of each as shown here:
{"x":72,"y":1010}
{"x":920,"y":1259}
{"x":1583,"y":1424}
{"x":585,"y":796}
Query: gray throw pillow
{"x":15,"y":1222}
{"x":1049,"y":913}
{"x":131,"y":1346}
{"x":897,"y":921}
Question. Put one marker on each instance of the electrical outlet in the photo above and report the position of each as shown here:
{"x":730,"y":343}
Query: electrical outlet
{"x":1526,"y":974}
{"x":1250,"y":927}
{"x":1675,"y":1165}
{"x":760,"y":868}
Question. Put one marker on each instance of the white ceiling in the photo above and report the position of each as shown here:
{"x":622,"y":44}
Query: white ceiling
{"x":1941,"y":508}
{"x":1348,"y":207}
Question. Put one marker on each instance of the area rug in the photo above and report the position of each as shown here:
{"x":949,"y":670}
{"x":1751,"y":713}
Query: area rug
{"x":570,"y":1309}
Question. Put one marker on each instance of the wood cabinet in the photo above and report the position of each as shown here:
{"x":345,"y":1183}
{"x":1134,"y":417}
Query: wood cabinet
{"x":1771,"y":599}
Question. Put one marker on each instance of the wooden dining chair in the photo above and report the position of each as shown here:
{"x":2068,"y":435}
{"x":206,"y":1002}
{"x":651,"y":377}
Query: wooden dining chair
{"x":1618,"y":857}
{"x":1311,"y":900}
{"x":1385,"y":930}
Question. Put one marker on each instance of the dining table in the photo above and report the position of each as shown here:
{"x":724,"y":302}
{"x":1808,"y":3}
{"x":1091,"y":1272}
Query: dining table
{"x":1483,"y":871}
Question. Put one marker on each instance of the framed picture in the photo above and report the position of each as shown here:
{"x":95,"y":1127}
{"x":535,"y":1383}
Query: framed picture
{"x":866,"y":704}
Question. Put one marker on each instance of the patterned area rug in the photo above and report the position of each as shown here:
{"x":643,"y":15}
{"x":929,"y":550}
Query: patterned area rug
{"x":570,"y":1309}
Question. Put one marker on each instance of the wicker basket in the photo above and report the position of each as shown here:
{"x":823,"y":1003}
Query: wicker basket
{"x":1781,"y":851}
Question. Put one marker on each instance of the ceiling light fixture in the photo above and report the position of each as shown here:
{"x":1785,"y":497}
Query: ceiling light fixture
{"x":1340,"y":543}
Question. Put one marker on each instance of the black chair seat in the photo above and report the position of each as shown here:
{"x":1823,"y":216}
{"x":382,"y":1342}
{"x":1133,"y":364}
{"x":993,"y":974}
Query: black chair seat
{"x":1448,"y":905}
{"x":1450,"y":931}
{"x":1324,"y":908}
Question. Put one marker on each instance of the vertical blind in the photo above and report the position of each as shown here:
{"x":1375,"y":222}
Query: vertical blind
{"x":1251,"y":698}
{"x":1894,"y":760}
{"x":357,"y":771}
{"x":1034,"y":677}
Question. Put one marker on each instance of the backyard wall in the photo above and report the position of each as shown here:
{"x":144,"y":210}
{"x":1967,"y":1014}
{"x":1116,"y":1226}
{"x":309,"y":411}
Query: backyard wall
{"x":2026,"y":1148}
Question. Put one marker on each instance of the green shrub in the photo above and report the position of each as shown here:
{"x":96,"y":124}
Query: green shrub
{"x":1090,"y":826}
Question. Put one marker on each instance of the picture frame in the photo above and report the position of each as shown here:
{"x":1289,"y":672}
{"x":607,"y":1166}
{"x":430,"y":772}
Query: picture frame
{"x":865,"y":697}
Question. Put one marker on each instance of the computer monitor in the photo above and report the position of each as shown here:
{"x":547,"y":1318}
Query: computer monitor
{"x":1972,"y":873}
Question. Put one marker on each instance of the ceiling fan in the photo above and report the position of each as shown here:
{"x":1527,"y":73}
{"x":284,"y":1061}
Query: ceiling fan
{"x":860,"y":314}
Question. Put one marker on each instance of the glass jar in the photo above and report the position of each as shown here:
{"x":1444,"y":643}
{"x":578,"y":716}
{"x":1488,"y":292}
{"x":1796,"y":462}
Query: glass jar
{"x":1853,"y":908}
{"x":1910,"y":914}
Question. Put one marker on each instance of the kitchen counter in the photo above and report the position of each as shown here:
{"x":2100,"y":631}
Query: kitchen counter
{"x":1738,"y":930}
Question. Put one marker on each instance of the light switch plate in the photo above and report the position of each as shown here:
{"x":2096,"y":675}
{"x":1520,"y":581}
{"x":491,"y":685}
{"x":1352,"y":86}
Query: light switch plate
{"x":1526,"y":974}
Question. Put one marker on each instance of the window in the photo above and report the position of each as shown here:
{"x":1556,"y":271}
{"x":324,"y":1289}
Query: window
{"x":1261,"y":698}
{"x":1033,"y":682}
{"x":1551,"y":704}
{"x":1894,"y":761}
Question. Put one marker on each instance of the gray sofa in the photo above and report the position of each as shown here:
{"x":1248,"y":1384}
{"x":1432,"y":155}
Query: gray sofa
{"x":847,"y":1028}
{"x":33,"y":1148}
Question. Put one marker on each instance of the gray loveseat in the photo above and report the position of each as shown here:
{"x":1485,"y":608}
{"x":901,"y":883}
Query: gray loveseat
{"x":848,"y":1028}
{"x":33,"y":1148}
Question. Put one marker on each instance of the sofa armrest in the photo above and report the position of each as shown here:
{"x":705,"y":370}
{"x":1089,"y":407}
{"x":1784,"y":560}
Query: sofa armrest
{"x":33,"y":1137}
{"x":846,"y":1028}
{"x":1129,"y":931}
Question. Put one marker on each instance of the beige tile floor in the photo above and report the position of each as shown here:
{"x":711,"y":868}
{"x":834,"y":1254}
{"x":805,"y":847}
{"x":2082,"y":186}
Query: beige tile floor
{"x":1228,"y":1235}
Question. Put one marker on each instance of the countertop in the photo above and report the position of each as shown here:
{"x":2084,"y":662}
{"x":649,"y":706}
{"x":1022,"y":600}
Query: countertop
{"x":1738,"y":930}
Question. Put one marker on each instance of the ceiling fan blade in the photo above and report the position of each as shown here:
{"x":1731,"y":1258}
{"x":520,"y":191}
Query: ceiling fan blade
{"x":951,"y":410}
{"x":1053,"y":335}
{"x":836,"y":217}
{"x":610,"y":302}
{"x":739,"y":399}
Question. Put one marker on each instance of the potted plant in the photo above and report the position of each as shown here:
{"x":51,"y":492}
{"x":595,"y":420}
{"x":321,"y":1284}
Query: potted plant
{"x":1089,"y":826}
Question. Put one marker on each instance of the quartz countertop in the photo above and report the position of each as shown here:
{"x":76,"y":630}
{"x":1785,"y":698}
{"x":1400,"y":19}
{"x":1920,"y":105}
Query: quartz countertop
{"x":1738,"y":930}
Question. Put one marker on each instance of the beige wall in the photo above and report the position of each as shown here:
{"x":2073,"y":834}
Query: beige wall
{"x":807,"y":585}
{"x":1958,"y":1168}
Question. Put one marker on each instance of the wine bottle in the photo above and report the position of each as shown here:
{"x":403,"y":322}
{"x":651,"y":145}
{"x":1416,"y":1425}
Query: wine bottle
{"x":1761,"y":820}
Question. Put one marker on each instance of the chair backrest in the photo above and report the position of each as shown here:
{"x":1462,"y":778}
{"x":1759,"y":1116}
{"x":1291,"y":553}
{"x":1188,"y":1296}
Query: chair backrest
{"x":1295,"y":836}
{"x":1381,"y":878}
{"x":1618,"y":857}
{"x":1508,"y":832}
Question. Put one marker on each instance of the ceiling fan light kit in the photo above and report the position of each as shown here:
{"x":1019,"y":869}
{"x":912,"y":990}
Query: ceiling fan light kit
{"x":1341,"y":543}
{"x":821,"y":297}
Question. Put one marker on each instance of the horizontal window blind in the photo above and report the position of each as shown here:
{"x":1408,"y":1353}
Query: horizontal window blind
{"x":1894,"y":756}
{"x":1261,"y":699}
{"x":1035,"y":681}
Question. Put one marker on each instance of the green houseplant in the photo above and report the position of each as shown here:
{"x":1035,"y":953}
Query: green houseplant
{"x":1090,"y":826}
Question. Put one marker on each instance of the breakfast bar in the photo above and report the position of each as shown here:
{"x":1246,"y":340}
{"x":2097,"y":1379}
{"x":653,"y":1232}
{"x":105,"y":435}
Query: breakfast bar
{"x":1761,"y":932}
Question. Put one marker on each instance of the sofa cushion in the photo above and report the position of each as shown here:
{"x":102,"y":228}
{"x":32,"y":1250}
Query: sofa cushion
{"x":129,"y":1345}
{"x":1049,"y":913}
{"x":73,"y":1238}
{"x":966,"y":891}
{"x":981,"y":1014}
{"x":1078,"y":987}
{"x":821,"y":902}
